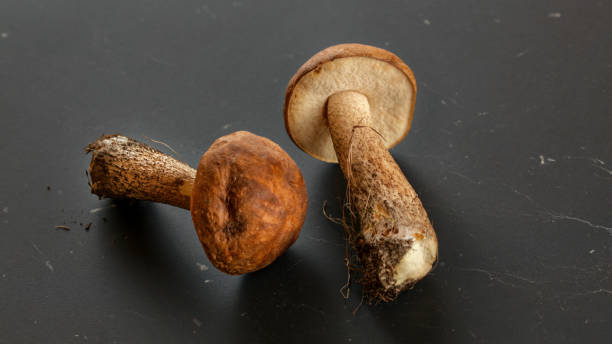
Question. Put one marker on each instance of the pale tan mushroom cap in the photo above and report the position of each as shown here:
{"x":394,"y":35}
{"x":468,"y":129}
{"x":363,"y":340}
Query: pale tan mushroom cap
{"x":380,"y":75}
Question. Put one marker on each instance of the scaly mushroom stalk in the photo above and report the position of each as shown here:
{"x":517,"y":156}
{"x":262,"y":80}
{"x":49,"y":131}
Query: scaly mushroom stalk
{"x":247,"y":198}
{"x":123,"y":168}
{"x":393,"y":223}
{"x":348,"y":104}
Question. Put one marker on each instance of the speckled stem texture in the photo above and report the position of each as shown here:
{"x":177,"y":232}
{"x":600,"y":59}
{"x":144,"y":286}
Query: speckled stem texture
{"x":123,"y":168}
{"x":388,"y":210}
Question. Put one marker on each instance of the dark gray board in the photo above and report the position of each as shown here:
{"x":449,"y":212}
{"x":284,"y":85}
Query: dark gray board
{"x":510,"y":151}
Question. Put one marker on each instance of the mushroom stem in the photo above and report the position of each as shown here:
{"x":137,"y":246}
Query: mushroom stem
{"x":396,"y":244}
{"x":123,"y":168}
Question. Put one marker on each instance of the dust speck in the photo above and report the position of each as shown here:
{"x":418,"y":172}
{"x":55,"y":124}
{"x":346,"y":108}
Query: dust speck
{"x":554,"y":15}
{"x":202,"y":267}
{"x":443,"y":102}
{"x":227,"y":126}
{"x":196,"y":322}
{"x":544,"y":160}
{"x":522,"y":53}
{"x":591,"y":251}
{"x":426,"y":22}
{"x":497,"y":21}
{"x":207,"y":281}
{"x":48,"y":264}
{"x":243,"y":314}
{"x":236,"y":4}
{"x":5,"y":210}
{"x":4,"y":35}
{"x":95,"y":210}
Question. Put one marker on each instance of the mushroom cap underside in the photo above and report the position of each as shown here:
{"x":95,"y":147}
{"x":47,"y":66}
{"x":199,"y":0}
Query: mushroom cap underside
{"x":381,"y":76}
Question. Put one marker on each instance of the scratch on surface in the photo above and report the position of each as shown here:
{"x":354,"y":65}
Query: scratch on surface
{"x":598,"y":291}
{"x":160,"y":61}
{"x":526,"y":196}
{"x":478,"y":182}
{"x":539,"y":315}
{"x":566,"y":267}
{"x":520,"y":278}
{"x":37,"y":249}
{"x":140,"y":315}
{"x":604,"y":169}
{"x":595,"y":162}
{"x":586,"y":222}
{"x":593,"y":292}
{"x":208,"y":11}
{"x":494,"y":276}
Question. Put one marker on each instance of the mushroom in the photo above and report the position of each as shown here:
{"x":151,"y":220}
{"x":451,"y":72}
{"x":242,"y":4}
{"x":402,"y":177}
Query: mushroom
{"x":247,"y":198}
{"x":349,"y":104}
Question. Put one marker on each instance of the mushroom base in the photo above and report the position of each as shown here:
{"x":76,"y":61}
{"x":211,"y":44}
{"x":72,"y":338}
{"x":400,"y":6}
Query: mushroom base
{"x":378,"y":262}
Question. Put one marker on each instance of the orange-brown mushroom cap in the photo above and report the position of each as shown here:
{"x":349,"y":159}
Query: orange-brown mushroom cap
{"x":248,"y":202}
{"x":388,"y":83}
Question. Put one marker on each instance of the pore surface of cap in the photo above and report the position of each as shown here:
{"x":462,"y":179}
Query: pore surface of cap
{"x":380,"y":75}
